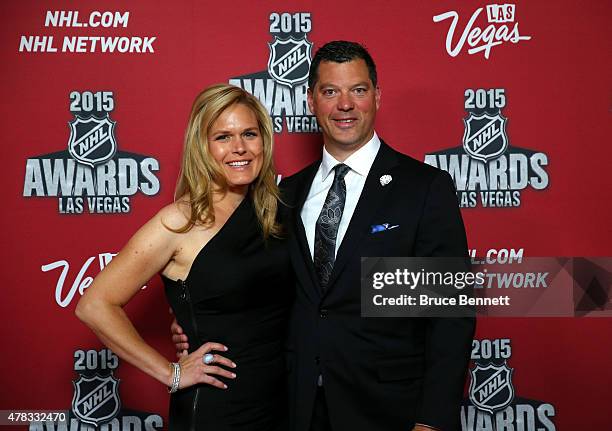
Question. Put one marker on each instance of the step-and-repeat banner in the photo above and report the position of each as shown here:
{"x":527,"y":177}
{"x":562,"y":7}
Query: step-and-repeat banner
{"x":512,"y":99}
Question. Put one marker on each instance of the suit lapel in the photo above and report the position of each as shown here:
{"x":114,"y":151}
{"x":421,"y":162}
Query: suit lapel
{"x":301,"y":243}
{"x":372,"y":196}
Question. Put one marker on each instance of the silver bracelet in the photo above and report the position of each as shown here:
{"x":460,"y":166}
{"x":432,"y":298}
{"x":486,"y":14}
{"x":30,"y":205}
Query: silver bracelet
{"x":176,"y":377}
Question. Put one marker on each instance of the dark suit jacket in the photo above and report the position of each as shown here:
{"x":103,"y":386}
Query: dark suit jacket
{"x":380,"y":374}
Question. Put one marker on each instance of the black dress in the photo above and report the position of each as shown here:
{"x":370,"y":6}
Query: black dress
{"x":238,"y":293}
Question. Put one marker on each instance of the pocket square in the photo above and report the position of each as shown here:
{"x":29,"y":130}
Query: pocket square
{"x":381,"y":227}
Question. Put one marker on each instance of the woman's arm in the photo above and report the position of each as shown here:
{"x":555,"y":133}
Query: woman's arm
{"x":101,"y":307}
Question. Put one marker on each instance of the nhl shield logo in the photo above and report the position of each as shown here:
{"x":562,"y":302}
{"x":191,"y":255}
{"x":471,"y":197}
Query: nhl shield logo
{"x":92,"y":140}
{"x":290,"y":60}
{"x":491,"y":387}
{"x":485,"y":136}
{"x":96,"y":399}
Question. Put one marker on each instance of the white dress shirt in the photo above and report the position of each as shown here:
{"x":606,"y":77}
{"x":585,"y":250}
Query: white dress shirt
{"x":360,"y":163}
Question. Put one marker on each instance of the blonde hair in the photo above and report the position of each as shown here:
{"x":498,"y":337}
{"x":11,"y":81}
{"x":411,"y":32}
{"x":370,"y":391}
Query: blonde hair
{"x":201,"y":175}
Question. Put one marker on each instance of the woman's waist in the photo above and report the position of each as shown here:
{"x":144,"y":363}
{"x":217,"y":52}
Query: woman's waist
{"x":252,"y":352}
{"x":254,"y":381}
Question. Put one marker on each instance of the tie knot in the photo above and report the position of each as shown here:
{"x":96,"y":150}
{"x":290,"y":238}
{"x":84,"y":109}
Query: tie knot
{"x":341,"y":170}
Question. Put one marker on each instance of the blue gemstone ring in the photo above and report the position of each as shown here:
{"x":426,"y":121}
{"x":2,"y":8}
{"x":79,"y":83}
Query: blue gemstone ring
{"x":208,"y":358}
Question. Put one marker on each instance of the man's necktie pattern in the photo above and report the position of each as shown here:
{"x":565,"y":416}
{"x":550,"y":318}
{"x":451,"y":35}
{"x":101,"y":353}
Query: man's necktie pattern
{"x":326,"y":229}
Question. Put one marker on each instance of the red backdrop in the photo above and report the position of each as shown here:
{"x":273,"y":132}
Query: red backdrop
{"x":555,"y":81}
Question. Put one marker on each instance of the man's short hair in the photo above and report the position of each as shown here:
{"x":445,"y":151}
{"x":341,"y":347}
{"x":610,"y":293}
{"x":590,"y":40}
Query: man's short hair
{"x":341,"y":51}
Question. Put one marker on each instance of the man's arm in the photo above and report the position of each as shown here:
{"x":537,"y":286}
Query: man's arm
{"x":441,"y":233}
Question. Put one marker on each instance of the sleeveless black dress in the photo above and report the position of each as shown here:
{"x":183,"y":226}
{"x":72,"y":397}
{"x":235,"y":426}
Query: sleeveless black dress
{"x":238,"y":293}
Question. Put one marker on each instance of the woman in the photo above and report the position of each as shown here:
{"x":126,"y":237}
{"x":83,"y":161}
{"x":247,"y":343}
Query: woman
{"x":225,"y":271}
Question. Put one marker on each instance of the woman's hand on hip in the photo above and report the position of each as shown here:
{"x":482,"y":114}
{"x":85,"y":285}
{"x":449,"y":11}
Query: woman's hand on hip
{"x":204,"y":366}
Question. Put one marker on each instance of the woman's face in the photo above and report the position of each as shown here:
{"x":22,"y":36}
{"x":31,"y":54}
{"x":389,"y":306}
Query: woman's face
{"x":235,"y":142}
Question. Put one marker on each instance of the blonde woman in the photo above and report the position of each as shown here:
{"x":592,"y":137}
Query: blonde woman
{"x":225,"y":269}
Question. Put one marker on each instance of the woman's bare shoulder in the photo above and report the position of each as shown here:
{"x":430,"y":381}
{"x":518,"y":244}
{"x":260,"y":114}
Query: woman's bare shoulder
{"x":174,"y":216}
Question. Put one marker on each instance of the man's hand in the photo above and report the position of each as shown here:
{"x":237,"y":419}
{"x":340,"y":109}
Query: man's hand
{"x":179,"y":339}
{"x":421,"y":427}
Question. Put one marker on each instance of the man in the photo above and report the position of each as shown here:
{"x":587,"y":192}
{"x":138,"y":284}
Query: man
{"x":349,"y":372}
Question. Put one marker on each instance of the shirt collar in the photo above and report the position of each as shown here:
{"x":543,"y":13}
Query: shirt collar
{"x":360,"y":161}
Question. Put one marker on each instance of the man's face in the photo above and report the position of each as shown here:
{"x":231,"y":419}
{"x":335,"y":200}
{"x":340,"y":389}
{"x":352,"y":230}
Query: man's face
{"x":345,"y":102}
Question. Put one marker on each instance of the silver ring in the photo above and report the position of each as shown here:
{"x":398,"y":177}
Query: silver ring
{"x":208,"y":358}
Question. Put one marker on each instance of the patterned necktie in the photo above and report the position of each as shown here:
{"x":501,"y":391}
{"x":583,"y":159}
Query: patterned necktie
{"x":326,"y":229}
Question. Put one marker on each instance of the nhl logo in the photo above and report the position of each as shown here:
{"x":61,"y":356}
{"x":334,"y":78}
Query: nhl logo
{"x":96,"y":399}
{"x":290,"y":60}
{"x":92,"y":140}
{"x":485,"y":136}
{"x":491,"y":387}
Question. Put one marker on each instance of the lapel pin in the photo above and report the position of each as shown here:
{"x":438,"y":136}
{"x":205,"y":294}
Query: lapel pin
{"x":385,"y":179}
